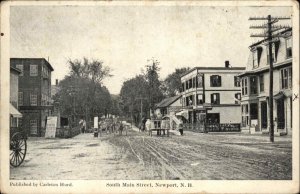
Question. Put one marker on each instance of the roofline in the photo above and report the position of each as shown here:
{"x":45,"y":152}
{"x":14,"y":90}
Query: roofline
{"x":265,"y":69}
{"x":259,"y":42}
{"x":49,"y":65}
{"x":213,"y":68}
{"x":177,"y":97}
{"x":15,"y":69}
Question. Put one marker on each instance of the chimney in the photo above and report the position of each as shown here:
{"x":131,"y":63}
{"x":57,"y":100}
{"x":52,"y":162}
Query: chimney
{"x":56,"y":82}
{"x":227,"y":64}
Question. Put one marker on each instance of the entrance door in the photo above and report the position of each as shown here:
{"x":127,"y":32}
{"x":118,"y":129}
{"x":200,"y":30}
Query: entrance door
{"x":280,"y":114}
{"x":264,"y":115}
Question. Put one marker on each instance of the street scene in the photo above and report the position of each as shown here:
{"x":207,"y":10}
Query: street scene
{"x":137,"y":156}
{"x":151,"y":93}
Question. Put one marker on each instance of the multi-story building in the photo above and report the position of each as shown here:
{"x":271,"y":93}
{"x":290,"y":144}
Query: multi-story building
{"x":212,"y":94}
{"x":255,"y":86}
{"x":34,"y":96}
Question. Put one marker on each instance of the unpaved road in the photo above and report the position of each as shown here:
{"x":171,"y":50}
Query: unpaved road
{"x":139,"y":156}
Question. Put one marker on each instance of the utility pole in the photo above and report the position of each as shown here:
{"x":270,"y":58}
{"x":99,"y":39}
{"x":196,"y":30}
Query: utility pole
{"x":268,"y":35}
{"x":140,"y":98}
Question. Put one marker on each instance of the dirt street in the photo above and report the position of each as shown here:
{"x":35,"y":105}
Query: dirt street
{"x":139,"y":156}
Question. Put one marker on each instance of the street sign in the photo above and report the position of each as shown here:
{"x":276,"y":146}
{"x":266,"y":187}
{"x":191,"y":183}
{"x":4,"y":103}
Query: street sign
{"x":96,"y":123}
{"x":51,"y":127}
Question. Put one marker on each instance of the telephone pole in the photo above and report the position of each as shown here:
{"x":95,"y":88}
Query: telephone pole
{"x":269,"y":38}
{"x":140,"y":98}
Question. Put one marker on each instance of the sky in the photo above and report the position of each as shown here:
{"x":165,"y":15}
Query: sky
{"x":125,"y":38}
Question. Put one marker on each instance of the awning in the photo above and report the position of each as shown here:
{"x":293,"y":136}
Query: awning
{"x":14,"y":112}
{"x":279,"y":95}
{"x":282,"y":94}
{"x":184,"y":113}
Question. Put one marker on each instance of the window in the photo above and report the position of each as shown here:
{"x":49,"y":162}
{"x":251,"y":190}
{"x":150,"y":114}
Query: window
{"x":261,"y":83}
{"x":254,"y":58}
{"x":33,"y":127}
{"x":33,"y":99}
{"x":253,"y":85}
{"x":215,"y":98}
{"x":237,"y":97}
{"x":200,"y":81}
{"x":273,"y":54}
{"x":21,"y":68}
{"x":215,"y":81}
{"x":245,"y":115}
{"x":190,"y":83}
{"x":244,"y":86}
{"x":237,"y":81}
{"x":256,"y":53}
{"x":286,"y":78}
{"x":194,"y":82}
{"x":182,"y":87}
{"x":20,"y":98}
{"x":289,"y":46}
{"x":186,"y":85}
{"x":33,"y":70}
{"x":200,"y":99}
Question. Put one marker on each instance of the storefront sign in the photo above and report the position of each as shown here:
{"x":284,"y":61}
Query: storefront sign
{"x":51,"y":127}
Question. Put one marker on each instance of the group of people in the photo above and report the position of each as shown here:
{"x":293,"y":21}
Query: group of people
{"x":82,"y":124}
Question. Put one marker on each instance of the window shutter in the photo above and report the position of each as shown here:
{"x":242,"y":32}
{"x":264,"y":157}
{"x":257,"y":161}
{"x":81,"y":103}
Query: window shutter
{"x":212,"y":98}
{"x":211,"y":80}
{"x":220,"y":80}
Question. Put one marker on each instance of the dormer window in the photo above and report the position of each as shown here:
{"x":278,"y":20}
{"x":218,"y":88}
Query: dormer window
{"x":273,"y":54}
{"x":289,"y":45}
{"x":256,"y":53}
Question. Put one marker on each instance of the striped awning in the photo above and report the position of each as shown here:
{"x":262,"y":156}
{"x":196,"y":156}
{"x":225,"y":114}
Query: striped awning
{"x":14,"y":112}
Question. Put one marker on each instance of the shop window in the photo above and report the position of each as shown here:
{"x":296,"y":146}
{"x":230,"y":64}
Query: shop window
{"x":215,"y":81}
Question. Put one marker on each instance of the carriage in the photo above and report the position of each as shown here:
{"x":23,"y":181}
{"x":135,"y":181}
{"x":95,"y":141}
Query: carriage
{"x":161,"y":126}
{"x":17,"y":146}
{"x":112,"y":126}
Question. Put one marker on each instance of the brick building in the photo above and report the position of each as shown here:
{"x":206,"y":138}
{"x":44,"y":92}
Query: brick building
{"x":211,"y":95}
{"x":34,"y":96}
{"x":255,"y":86}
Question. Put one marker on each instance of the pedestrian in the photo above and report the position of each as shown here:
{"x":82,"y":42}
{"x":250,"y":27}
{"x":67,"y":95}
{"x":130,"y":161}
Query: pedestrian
{"x":83,"y":126}
{"x":144,"y":123}
{"x":181,"y":129}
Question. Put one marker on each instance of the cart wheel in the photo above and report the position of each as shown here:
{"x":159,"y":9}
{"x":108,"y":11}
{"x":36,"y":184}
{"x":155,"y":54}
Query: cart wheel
{"x":18,"y":147}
